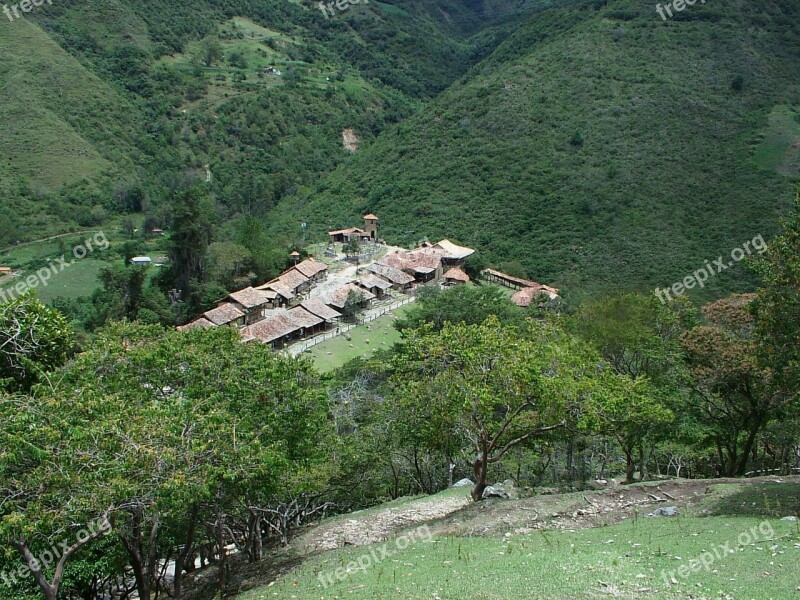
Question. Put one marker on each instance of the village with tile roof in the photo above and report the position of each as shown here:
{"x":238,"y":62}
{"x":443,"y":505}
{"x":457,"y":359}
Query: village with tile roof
{"x":312,"y":297}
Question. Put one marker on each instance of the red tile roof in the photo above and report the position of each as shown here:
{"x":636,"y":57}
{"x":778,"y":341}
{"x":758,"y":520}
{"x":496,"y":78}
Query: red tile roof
{"x":371,"y":281}
{"x":338,"y":297}
{"x":348,"y":230}
{"x":522,"y":282}
{"x":311,"y":267}
{"x":250,"y":297}
{"x":293,"y":279}
{"x":419,"y":261}
{"x":279,"y":287}
{"x":457,"y":275}
{"x":223,"y":314}
{"x":272,"y":329}
{"x":525,"y":297}
{"x":453,"y":251}
{"x":391,"y":273}
{"x":303,"y":318}
{"x":318,"y":307}
{"x":201,"y":323}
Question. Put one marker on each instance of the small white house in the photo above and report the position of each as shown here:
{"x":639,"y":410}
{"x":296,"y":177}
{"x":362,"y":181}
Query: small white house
{"x":141,"y":260}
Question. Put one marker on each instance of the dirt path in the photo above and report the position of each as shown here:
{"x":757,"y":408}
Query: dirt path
{"x":377,"y":526}
{"x":456,"y":514}
{"x":47,"y":239}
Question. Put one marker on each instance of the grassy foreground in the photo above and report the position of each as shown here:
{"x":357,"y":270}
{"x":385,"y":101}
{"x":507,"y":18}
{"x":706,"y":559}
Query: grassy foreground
{"x":742,"y":554}
{"x":633,"y":559}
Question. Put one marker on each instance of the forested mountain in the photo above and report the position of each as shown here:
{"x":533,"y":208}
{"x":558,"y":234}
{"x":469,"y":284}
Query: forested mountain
{"x":591,"y":143}
{"x":102,"y":97}
{"x":601,"y":147}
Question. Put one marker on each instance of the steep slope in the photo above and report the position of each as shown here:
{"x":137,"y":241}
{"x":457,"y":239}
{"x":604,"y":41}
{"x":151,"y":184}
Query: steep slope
{"x":61,"y":125}
{"x":123,"y":93}
{"x":601,"y":147}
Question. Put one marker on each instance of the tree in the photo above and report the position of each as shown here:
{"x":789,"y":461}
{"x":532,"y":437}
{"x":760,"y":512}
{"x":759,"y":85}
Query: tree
{"x":630,"y":414}
{"x":190,"y":236}
{"x":461,"y":304}
{"x":777,"y":305}
{"x":34,"y":339}
{"x":211,"y":52}
{"x":352,"y":247}
{"x":180,"y":432}
{"x":493,"y":386}
{"x":352,"y":304}
{"x":639,"y":338}
{"x":734,"y":395}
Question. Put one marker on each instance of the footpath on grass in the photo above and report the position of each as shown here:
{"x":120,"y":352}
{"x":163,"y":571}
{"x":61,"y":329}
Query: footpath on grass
{"x":708,"y":512}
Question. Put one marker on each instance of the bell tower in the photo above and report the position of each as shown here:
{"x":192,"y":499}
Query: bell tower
{"x":371,"y":226}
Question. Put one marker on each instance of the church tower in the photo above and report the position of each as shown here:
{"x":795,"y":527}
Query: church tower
{"x":371,"y":226}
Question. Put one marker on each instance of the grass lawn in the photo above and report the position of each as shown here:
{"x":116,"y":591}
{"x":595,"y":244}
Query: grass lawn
{"x":380,"y":334}
{"x":636,"y":559}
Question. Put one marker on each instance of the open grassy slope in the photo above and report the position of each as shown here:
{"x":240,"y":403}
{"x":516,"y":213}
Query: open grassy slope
{"x":549,"y":547}
{"x":601,"y":147}
{"x":61,"y":124}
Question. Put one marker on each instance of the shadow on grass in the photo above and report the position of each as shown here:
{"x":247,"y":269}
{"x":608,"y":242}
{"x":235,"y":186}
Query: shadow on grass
{"x":763,"y":500}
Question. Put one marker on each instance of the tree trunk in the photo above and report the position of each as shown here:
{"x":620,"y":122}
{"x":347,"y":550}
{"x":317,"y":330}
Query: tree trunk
{"x":186,"y":553}
{"x":642,"y":464}
{"x":630,"y":465}
{"x":221,"y":565}
{"x":741,"y":465}
{"x":480,"y":467}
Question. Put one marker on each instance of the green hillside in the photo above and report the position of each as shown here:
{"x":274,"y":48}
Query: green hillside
{"x":61,"y":126}
{"x":600,"y":147}
{"x":113,"y":95}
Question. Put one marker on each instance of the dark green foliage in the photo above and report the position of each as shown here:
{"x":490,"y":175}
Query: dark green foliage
{"x":34,"y":339}
{"x":665,"y":177}
{"x":471,"y":305}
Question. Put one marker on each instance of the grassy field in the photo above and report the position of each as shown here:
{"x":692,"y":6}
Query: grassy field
{"x":747,"y":556}
{"x":380,"y":334}
{"x":79,"y":278}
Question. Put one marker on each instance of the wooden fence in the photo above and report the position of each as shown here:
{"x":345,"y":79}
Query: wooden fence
{"x":362,"y":319}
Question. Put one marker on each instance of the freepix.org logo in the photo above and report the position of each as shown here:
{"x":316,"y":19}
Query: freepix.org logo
{"x":26,"y":6}
{"x":55,"y":267}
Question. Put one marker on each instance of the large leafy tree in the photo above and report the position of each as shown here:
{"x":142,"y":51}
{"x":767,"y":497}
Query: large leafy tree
{"x":734,"y":394}
{"x":190,"y":237}
{"x":777,"y":305}
{"x":34,"y":339}
{"x":639,"y":338}
{"x":461,"y":304}
{"x":492,"y":387}
{"x":164,"y":432}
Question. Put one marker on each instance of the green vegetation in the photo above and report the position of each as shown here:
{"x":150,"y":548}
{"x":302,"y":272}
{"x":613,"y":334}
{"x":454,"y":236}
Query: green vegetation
{"x":582,"y":143}
{"x":667,"y":175}
{"x":625,"y":559}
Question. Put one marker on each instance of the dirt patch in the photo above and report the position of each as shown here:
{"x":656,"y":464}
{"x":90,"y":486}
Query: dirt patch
{"x":582,"y":510}
{"x":381,"y":525}
{"x":350,"y":140}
